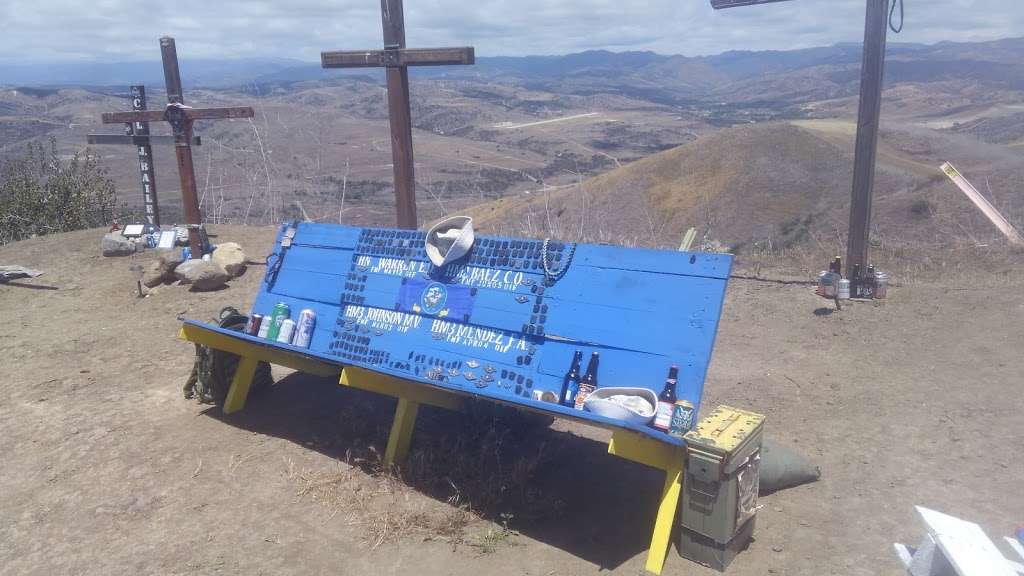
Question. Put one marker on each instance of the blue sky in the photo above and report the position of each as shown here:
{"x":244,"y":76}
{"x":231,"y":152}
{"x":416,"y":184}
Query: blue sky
{"x":118,"y":30}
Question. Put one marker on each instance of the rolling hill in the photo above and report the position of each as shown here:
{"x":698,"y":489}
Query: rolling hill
{"x":773,"y":185}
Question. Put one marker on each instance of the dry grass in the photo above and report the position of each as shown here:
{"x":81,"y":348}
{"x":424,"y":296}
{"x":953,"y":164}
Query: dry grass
{"x":480,"y":468}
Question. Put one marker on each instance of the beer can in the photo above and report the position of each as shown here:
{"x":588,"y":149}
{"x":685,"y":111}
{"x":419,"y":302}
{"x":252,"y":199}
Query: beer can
{"x":287,"y":331}
{"x":264,"y":326}
{"x":682,"y":419}
{"x":304,"y":328}
{"x":280,"y":313}
{"x":252,"y":328}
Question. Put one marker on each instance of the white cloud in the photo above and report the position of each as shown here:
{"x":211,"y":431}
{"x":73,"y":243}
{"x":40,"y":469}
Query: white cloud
{"x":112,"y":30}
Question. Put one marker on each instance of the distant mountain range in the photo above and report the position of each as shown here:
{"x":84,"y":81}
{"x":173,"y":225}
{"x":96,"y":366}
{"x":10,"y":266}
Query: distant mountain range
{"x":997,"y":61}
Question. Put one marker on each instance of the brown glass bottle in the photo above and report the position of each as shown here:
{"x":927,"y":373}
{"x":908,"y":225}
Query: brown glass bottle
{"x":589,"y":382}
{"x":666,"y":400}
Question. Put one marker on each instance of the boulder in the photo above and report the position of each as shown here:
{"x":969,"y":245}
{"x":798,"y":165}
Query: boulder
{"x":169,"y":260}
{"x":230,"y":257}
{"x":153,"y":275}
{"x":114,"y":244}
{"x":202,"y":275}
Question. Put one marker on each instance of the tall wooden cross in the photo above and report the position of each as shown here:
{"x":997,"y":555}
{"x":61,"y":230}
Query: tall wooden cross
{"x":137,"y":134}
{"x":397,"y":58}
{"x":181,"y":117}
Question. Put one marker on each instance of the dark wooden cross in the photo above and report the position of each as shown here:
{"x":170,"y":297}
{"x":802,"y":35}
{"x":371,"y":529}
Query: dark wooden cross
{"x":181,"y":117}
{"x":397,"y":58}
{"x":137,"y":134}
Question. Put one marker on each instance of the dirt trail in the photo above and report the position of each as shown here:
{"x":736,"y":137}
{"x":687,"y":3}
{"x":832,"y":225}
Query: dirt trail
{"x":107,"y":470}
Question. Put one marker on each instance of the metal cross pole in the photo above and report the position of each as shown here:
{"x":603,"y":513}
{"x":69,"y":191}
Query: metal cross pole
{"x":872,"y":72}
{"x":397,"y":58}
{"x":181,"y":117}
{"x":137,"y":134}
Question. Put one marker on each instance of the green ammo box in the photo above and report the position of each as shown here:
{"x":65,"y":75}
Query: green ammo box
{"x":720,"y":486}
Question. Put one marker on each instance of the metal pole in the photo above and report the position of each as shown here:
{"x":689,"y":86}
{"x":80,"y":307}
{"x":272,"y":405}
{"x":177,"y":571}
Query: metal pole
{"x":872,"y":73}
{"x":393,"y":22}
{"x":182,"y":147}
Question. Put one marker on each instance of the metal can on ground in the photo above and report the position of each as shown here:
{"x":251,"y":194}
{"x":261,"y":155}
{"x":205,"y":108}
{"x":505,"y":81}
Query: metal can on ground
{"x":252,"y":328}
{"x":287,"y":331}
{"x":682,"y":418}
{"x":844,"y":289}
{"x":264,"y":326}
{"x":881,"y":285}
{"x":281,"y":312}
{"x":304,"y":328}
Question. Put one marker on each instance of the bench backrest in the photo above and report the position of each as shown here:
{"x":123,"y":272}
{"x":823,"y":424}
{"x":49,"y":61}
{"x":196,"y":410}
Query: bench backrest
{"x":492,"y":324}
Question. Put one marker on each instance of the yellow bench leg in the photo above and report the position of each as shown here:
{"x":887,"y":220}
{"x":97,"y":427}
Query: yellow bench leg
{"x":401,"y":431}
{"x":239,"y":390}
{"x":666,"y":518}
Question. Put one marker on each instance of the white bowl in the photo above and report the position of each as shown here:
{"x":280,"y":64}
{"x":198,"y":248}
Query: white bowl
{"x":598,"y":404}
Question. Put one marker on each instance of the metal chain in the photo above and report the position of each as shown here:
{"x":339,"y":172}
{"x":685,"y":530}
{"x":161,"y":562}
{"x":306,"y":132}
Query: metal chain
{"x":549,"y":276}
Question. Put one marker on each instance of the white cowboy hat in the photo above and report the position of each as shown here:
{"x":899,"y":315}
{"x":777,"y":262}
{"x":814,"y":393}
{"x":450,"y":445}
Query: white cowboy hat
{"x":449,"y":240}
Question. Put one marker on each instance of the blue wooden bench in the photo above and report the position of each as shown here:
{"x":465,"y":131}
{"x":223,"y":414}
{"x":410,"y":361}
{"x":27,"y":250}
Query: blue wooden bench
{"x":493,"y":326}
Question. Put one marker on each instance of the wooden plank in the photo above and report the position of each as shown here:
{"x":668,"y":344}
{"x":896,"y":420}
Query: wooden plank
{"x":128,"y":117}
{"x":405,"y":57}
{"x":965,"y":545}
{"x":643,"y":450}
{"x":665,"y":520}
{"x":982,"y":203}
{"x":190,"y":113}
{"x":401,"y":431}
{"x":237,"y":343}
{"x":103,"y":139}
{"x":240,"y":383}
{"x":398,"y":388}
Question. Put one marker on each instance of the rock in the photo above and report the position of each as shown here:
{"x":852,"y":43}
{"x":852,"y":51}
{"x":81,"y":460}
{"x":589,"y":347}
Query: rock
{"x":170,"y":260}
{"x":202,"y":275}
{"x":231,"y":257}
{"x":153,"y":276}
{"x":114,"y":244}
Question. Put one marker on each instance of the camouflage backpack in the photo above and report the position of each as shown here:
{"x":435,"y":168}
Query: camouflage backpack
{"x":213,"y":369}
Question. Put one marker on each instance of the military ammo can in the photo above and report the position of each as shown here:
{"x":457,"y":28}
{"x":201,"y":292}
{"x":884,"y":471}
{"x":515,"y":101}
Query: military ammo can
{"x":720,"y":486}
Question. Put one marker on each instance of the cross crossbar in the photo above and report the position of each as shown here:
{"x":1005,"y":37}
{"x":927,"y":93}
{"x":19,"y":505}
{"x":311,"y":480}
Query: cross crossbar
{"x":136,"y":140}
{"x":191,"y":114}
{"x":399,"y":57}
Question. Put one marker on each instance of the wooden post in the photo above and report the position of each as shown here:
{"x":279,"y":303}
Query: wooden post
{"x":182,"y":147}
{"x":871,"y":76}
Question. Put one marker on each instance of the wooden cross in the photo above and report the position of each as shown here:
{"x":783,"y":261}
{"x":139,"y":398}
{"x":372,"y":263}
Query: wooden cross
{"x":397,"y":58}
{"x":137,"y":134}
{"x":181,"y":117}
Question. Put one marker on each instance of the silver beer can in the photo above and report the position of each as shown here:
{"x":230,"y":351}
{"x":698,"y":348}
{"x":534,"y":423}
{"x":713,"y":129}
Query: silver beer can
{"x":265,"y":323}
{"x":287,"y":331}
{"x":304,"y":328}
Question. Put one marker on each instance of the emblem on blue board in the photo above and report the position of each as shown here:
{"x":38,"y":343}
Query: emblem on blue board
{"x":435,"y":296}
